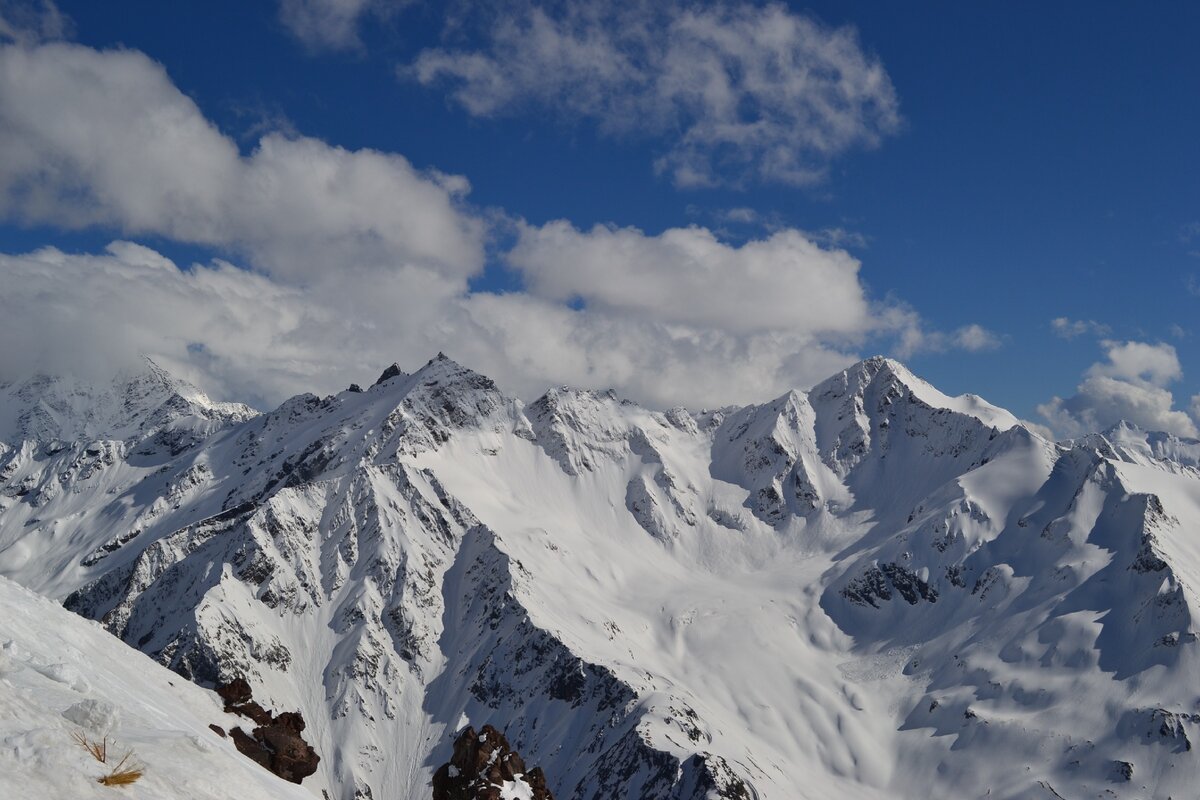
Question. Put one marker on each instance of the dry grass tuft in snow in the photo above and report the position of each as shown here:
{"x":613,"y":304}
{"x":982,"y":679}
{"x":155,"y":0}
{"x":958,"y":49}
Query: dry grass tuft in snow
{"x":124,"y":773}
{"x":97,"y":750}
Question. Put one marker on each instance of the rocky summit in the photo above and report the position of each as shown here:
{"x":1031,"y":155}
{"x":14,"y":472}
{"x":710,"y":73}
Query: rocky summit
{"x":865,"y":589}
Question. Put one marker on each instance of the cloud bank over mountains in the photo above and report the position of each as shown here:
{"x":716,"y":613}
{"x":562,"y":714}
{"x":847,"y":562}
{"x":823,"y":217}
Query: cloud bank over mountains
{"x":334,"y":261}
{"x":1130,"y":384}
{"x":329,"y":262}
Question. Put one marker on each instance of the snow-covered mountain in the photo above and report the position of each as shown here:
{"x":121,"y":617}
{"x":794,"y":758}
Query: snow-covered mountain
{"x":869,"y":589}
{"x":148,"y":408}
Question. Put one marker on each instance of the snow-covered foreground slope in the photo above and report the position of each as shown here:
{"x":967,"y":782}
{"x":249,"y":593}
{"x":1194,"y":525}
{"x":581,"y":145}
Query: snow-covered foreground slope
{"x":869,"y":589}
{"x":62,"y":676}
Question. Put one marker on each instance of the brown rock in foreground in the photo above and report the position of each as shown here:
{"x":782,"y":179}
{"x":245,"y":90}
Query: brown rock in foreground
{"x":275,"y":743}
{"x":483,"y":765}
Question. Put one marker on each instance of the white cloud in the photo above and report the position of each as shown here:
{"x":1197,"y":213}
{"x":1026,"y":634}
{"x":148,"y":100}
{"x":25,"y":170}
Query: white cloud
{"x":332,"y":24}
{"x":686,"y":276}
{"x":244,"y":335}
{"x":741,"y":92}
{"x":916,"y":339}
{"x":1130,"y":385}
{"x":1156,"y":364}
{"x":537,"y":343}
{"x":975,"y":338}
{"x":104,"y":138}
{"x":355,"y":259}
{"x":1071,"y":328}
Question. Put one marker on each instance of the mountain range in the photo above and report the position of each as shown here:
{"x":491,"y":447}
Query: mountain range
{"x":869,"y":589}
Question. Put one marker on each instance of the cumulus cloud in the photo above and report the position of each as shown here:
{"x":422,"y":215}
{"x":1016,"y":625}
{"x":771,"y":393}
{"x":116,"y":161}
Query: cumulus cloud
{"x":243,"y":335}
{"x":95,"y":313}
{"x":1131,"y":384}
{"x":1156,"y":364}
{"x":974,"y":338}
{"x":740,"y":92}
{"x":332,"y":24}
{"x":333,"y":263}
{"x":687,"y":276}
{"x":1071,"y":328}
{"x":93,"y":137}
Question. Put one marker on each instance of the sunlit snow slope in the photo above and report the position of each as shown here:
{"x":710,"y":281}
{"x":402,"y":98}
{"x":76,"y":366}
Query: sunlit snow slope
{"x":62,"y":677}
{"x":869,"y":589}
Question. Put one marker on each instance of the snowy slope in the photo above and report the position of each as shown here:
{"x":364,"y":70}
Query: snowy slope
{"x":61,"y":675}
{"x":869,"y":589}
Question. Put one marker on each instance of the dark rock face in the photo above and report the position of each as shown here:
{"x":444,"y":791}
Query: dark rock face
{"x":238,"y":700}
{"x":481,"y":767}
{"x":276,"y":743}
{"x":393,"y":371}
{"x":878,"y":583}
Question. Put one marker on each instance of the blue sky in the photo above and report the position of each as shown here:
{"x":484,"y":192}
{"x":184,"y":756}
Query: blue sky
{"x":1043,"y":166}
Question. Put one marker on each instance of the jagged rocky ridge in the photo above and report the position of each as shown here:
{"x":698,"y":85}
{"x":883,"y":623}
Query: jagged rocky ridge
{"x":866,"y":589}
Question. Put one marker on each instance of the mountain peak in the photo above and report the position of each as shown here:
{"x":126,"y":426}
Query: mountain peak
{"x":393,"y":371}
{"x":132,"y":405}
{"x":466,"y":560}
{"x":439,"y":365}
{"x":878,"y":370}
{"x":878,"y":367}
{"x":445,"y":370}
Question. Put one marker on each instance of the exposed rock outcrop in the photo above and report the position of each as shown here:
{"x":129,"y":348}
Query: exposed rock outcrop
{"x":276,"y":743}
{"x":484,"y":767}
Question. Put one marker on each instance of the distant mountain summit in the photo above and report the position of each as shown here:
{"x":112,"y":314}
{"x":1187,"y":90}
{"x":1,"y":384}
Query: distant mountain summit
{"x":135,"y":406}
{"x":868,"y":589}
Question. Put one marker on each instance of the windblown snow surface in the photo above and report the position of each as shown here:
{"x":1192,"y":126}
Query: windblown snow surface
{"x":866,"y":590}
{"x":62,"y":676}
